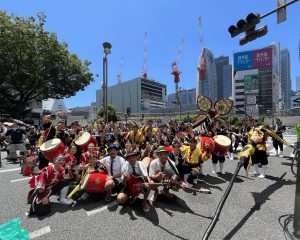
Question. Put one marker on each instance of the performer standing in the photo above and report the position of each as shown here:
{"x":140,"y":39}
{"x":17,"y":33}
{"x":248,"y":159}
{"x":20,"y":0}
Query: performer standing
{"x":49,"y":181}
{"x":279,"y":130}
{"x":135,"y":169}
{"x":260,"y":155}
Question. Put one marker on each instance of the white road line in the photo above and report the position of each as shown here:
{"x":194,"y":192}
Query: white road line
{"x":39,"y":232}
{"x":10,"y":170}
{"x":92,"y":212}
{"x":292,"y":155}
{"x":21,"y":179}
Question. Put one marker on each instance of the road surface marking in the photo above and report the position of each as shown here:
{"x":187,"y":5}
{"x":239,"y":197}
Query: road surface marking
{"x":10,"y":170}
{"x":39,"y":232}
{"x":21,"y":179}
{"x":92,"y":212}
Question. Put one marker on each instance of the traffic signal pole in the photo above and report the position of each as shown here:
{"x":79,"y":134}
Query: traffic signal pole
{"x":281,"y":7}
{"x":296,"y":223}
{"x":248,"y":25}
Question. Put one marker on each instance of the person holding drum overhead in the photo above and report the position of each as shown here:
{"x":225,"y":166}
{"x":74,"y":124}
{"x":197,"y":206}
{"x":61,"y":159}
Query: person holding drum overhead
{"x":49,"y":181}
{"x":51,"y":132}
{"x":222,"y":145}
{"x":134,"y":172}
{"x":114,"y":165}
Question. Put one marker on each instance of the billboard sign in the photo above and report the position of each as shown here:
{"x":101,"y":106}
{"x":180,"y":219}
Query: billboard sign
{"x":262,"y":58}
{"x":295,"y":101}
{"x":251,"y":100}
{"x":251,"y":84}
{"x":242,"y":61}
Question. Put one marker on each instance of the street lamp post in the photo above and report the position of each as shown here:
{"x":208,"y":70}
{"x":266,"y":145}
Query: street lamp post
{"x":107,"y":46}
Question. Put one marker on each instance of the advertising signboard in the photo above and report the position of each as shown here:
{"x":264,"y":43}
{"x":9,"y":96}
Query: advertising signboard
{"x":242,"y":61}
{"x":262,"y":58}
{"x":251,"y":84}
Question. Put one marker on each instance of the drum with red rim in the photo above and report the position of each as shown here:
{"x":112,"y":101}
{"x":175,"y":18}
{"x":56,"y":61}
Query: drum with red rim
{"x":52,"y":148}
{"x":84,"y":140}
{"x":94,"y":182}
{"x":206,"y":144}
{"x":222,"y":144}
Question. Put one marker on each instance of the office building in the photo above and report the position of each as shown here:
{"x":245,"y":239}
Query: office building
{"x":139,"y":94}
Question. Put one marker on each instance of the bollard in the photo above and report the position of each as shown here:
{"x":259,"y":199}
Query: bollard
{"x":296,"y":224}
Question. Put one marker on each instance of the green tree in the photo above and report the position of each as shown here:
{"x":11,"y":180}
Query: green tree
{"x":34,"y":65}
{"x":112,"y":113}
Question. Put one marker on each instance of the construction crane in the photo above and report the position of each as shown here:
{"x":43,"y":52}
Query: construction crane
{"x":119,"y":76}
{"x":202,"y":62}
{"x":144,"y":73}
{"x":176,"y":73}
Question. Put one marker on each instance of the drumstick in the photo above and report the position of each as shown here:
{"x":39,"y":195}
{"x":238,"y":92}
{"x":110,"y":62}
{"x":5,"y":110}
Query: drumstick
{"x":201,"y":190}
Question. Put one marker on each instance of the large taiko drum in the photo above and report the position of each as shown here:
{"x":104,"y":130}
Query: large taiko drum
{"x":222,"y":144}
{"x":52,"y":148}
{"x":94,"y":182}
{"x":84,"y":140}
{"x":206,"y":144}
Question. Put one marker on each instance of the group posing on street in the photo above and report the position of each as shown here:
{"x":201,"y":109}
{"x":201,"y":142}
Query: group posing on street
{"x":128,"y":160}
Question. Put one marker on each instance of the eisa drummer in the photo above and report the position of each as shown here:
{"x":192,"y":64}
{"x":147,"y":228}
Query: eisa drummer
{"x":93,"y":166}
{"x":49,"y":181}
{"x":84,"y":158}
{"x":135,"y":169}
{"x":114,"y":165}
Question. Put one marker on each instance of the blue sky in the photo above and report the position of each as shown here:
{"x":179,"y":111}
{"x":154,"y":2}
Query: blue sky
{"x":85,"y":25}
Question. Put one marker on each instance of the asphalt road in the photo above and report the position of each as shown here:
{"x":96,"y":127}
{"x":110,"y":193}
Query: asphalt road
{"x":251,"y":211}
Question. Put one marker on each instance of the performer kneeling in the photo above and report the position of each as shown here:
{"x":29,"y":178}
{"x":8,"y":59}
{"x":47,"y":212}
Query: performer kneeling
{"x":162,"y":169}
{"x":93,"y":166}
{"x":135,"y":174}
{"x":49,"y":181}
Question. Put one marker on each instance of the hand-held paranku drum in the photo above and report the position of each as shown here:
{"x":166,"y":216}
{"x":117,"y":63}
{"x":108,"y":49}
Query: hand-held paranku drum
{"x":222,"y":144}
{"x":84,"y":140}
{"x":206,"y":144}
{"x":52,"y":148}
{"x":94,"y":182}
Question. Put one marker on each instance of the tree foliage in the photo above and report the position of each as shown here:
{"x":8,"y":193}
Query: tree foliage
{"x":112,"y":113}
{"x":34,"y":65}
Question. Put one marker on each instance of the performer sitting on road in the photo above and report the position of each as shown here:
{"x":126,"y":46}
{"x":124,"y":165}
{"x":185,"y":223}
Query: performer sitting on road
{"x":114,"y":165}
{"x":135,"y":169}
{"x":49,"y":181}
{"x":162,"y":169}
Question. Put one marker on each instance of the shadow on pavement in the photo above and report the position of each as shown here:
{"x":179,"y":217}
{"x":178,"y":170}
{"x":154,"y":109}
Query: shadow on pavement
{"x":212,"y":180}
{"x":260,"y":199}
{"x":227,"y":177}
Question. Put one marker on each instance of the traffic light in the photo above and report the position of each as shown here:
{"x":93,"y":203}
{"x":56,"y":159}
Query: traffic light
{"x":248,"y":26}
{"x":256,"y":100}
{"x":128,"y":111}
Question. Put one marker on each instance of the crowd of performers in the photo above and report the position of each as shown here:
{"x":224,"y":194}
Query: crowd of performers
{"x":127,"y":160}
